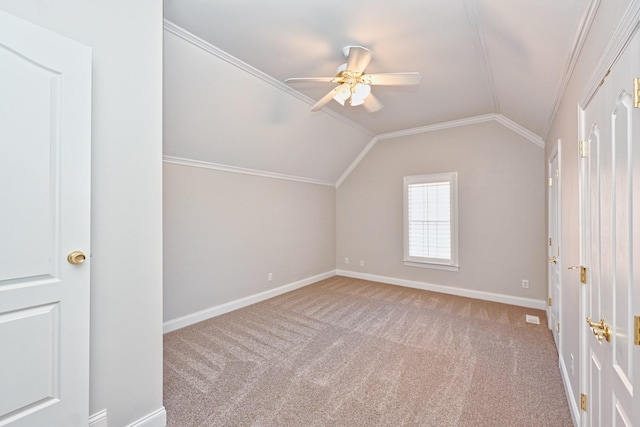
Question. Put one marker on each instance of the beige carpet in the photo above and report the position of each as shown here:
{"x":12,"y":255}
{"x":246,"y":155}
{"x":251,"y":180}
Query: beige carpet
{"x":348,"y":352}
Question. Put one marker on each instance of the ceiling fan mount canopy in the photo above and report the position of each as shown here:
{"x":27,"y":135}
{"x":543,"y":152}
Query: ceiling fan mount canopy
{"x":355,"y":84}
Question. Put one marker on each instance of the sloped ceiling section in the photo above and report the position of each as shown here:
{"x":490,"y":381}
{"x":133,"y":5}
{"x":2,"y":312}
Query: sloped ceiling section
{"x":217,"y":115}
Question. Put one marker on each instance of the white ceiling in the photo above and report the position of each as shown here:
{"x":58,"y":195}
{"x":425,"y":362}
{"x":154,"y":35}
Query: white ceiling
{"x":476,"y":57}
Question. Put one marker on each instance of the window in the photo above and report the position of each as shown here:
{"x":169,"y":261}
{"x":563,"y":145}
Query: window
{"x":430,"y":221}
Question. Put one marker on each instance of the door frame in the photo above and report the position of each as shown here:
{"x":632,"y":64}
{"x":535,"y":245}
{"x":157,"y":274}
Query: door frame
{"x":583,"y":342}
{"x":556,"y":153}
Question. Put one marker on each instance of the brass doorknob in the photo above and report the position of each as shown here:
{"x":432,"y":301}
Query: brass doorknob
{"x":553,"y":259}
{"x":600,"y":330}
{"x":76,"y":257}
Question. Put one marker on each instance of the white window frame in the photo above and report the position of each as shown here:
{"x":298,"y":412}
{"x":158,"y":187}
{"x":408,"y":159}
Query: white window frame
{"x":437,"y":263}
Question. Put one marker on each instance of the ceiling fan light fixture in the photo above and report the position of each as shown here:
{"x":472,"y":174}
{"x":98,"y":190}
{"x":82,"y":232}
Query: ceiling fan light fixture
{"x":354,"y":84}
{"x":360,"y":93}
{"x":342,"y":94}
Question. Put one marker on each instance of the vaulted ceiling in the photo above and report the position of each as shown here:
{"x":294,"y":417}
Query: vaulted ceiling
{"x":509,"y":58}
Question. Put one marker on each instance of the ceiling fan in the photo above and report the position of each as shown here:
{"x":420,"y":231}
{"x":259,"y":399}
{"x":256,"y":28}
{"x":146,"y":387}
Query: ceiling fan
{"x":354,"y":85}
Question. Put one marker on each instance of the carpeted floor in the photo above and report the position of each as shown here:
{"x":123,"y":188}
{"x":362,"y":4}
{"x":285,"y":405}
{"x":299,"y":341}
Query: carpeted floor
{"x":348,"y":352}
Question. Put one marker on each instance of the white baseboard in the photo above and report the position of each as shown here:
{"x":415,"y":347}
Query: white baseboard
{"x":157,"y":418}
{"x":568,"y":391}
{"x":469,"y":293}
{"x":99,"y":419}
{"x":199,"y":316}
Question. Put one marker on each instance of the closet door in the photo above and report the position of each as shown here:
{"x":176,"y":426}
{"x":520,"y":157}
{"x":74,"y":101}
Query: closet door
{"x":610,"y":169}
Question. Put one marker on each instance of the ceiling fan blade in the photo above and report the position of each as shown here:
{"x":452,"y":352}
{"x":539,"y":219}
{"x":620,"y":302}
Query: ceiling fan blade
{"x":393,"y":79}
{"x":310,"y":79}
{"x":358,"y":59}
{"x":372,"y":104}
{"x":327,"y":98}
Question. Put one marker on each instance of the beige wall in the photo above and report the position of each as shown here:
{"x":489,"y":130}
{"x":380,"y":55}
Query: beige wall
{"x":501,"y":209}
{"x":225,"y":232}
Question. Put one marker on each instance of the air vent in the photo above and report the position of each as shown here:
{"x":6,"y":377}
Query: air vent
{"x":532,"y":319}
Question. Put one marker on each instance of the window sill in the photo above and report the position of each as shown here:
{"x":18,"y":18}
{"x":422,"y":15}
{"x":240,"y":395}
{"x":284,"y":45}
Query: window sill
{"x":446,"y":267}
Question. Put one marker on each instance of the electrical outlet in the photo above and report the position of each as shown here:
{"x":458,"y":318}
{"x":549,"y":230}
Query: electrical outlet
{"x":346,"y":260}
{"x":270,"y":277}
{"x":361,"y":263}
{"x":525,"y":284}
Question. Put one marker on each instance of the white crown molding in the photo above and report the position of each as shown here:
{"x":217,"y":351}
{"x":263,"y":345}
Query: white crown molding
{"x":245,"y":171}
{"x":356,"y":161}
{"x":520,"y":130}
{"x":449,"y":290}
{"x":473,"y":15}
{"x":219,"y":53}
{"x":437,"y":126}
{"x":527,"y":134}
{"x":199,"y":316}
{"x":621,"y":37}
{"x":584,"y":28}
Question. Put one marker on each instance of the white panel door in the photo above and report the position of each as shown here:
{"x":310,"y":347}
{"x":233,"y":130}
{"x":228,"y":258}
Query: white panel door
{"x":553,"y":253}
{"x":45,"y":138}
{"x":610,"y":175}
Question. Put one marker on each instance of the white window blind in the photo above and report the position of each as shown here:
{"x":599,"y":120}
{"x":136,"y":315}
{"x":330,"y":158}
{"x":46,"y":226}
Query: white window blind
{"x":430,"y":220}
{"x":430,"y":216}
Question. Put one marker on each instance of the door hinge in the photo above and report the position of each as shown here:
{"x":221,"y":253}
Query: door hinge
{"x":550,"y":302}
{"x":550,"y":240}
{"x":557,"y":173}
{"x":583,"y":401}
{"x":583,"y":149}
{"x":550,"y":182}
{"x":558,"y":327}
{"x":604,"y":78}
{"x":636,"y":92}
{"x":636,"y":328}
